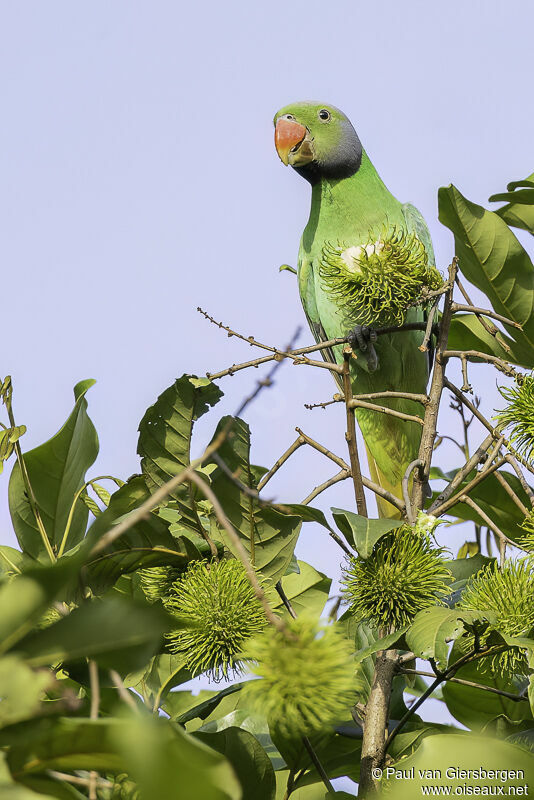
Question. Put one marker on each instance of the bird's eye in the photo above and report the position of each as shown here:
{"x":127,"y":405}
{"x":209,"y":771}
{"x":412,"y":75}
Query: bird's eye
{"x":289,"y":116}
{"x":324,"y":115}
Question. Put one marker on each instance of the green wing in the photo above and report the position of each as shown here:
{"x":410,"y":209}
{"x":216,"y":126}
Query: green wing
{"x":415,"y":222}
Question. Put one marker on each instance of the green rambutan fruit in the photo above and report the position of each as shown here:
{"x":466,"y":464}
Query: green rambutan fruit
{"x":157,"y":582}
{"x":508,"y":593}
{"x":403,"y":575}
{"x":518,"y":416}
{"x":377,"y":282}
{"x":306,"y":676}
{"x":220,"y":612}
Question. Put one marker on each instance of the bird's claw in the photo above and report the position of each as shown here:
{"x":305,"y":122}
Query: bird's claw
{"x":363,"y":338}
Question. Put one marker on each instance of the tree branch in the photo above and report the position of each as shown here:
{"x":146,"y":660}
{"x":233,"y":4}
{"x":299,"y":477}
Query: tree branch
{"x":350,"y":435}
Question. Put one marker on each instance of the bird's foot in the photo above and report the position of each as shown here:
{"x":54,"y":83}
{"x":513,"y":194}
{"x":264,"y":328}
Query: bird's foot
{"x":363,"y":338}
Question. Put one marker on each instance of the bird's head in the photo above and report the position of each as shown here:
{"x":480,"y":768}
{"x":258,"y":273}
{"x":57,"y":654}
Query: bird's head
{"x":317,"y":140}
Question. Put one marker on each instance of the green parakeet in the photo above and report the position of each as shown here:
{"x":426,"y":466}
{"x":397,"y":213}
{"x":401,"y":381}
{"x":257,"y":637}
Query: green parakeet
{"x":364,"y":257}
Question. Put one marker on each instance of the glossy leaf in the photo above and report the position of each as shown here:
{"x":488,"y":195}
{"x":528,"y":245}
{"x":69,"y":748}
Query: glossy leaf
{"x":25,"y":598}
{"x":166,"y":762}
{"x":433,"y":628}
{"x":307,"y":590}
{"x":383,"y":643}
{"x":467,"y":333}
{"x":516,"y":212}
{"x":56,"y":471}
{"x":493,"y":260}
{"x":164,"y":672}
{"x":362,"y":533}
{"x":438,"y":755}
{"x":165,"y":437}
{"x":148,"y":543}
{"x":22,"y":689}
{"x":119,"y":633}
{"x":249,"y":760}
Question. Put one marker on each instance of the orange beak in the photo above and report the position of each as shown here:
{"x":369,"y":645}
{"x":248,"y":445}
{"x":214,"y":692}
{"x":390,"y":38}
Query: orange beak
{"x":287,"y":135}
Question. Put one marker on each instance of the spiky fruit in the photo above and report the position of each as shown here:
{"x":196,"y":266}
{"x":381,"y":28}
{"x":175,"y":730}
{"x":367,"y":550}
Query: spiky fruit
{"x":518,"y":416}
{"x":376,"y":283}
{"x":306,"y":676}
{"x":508,"y":593}
{"x":219,"y":611}
{"x":403,"y":575}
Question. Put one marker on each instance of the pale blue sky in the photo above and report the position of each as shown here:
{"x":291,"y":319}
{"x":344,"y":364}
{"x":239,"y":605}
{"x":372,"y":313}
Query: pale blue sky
{"x":140,"y":180}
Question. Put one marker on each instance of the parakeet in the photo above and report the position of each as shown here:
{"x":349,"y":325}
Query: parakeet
{"x":363,"y":258}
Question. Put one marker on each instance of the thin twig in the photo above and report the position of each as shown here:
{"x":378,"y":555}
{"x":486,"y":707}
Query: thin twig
{"x":405,"y":491}
{"x":95,"y":707}
{"x":430,"y":422}
{"x":285,"y":600}
{"x":508,"y":489}
{"x":281,"y":461}
{"x":317,"y":764}
{"x":515,"y":697}
{"x":489,"y":522}
{"x":322,"y":449}
{"x":496,"y":432}
{"x":350,"y":435}
{"x":489,"y":327}
{"x":240,"y":550}
{"x":471,"y":355}
{"x":515,"y":466}
{"x":492,"y":314}
{"x":124,"y":694}
{"x":452,"y":501}
{"x":340,"y":476}
{"x":385,"y":410}
{"x":77,"y":781}
{"x":471,"y":463}
{"x":428,"y":330}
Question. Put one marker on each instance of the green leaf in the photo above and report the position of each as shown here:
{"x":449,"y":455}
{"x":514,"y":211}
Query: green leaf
{"x":183,"y":706}
{"x":56,"y":471}
{"x":248,"y":758}
{"x":165,"y":437}
{"x":21,"y":689}
{"x":523,"y":196}
{"x":148,"y":543}
{"x":517,"y":212}
{"x":433,"y":628}
{"x":12,"y":791}
{"x":164,"y":672}
{"x":24,"y":599}
{"x":384,"y":643}
{"x":307,"y":590}
{"x":438,"y":755}
{"x":493,"y":260}
{"x":463,"y":568}
{"x":63,"y":744}
{"x":268,"y":535}
{"x":168,"y":763}
{"x":119,"y":633}
{"x":467,"y":333}
{"x":361,"y":533}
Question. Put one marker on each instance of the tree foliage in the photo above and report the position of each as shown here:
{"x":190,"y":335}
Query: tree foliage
{"x":121,"y":591}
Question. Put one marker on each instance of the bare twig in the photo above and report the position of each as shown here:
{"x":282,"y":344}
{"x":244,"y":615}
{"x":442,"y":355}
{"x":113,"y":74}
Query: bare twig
{"x":474,"y":355}
{"x":428,"y":330}
{"x":350,"y":435}
{"x":489,"y":327}
{"x":426,"y":446}
{"x":515,"y":697}
{"x":478,"y":456}
{"x":317,"y":764}
{"x":124,"y":694}
{"x":385,"y":410}
{"x":482,"y":475}
{"x":515,"y":466}
{"x":322,"y":449}
{"x":492,"y":314}
{"x":405,"y":490}
{"x":340,"y":476}
{"x":95,"y":706}
{"x":489,"y":522}
{"x":508,"y":489}
{"x":78,"y":781}
{"x":281,"y":461}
